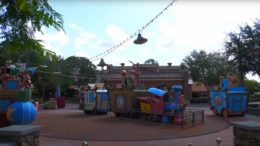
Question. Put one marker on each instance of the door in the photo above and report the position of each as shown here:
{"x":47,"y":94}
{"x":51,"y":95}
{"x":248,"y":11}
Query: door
{"x":90,"y":101}
{"x":102,"y":101}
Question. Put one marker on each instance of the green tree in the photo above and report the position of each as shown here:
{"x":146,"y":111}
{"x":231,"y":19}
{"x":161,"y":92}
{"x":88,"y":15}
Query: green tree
{"x":252,"y":86}
{"x":85,"y":68}
{"x":19,"y":20}
{"x":151,"y":61}
{"x":207,"y":67}
{"x":47,"y":78}
{"x":240,"y":49}
{"x":256,"y":52}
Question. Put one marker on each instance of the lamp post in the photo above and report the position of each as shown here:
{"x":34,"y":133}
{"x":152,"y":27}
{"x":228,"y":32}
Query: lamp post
{"x":40,"y":79}
{"x":75,"y":73}
{"x":102,"y":64}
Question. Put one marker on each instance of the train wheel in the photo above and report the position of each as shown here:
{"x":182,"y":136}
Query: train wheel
{"x":214,"y":111}
{"x":144,"y":117}
{"x":86,"y":112}
{"x":225,"y":113}
{"x":155,"y":118}
{"x":165,"y":119}
{"x":117,"y":114}
{"x":242,"y":114}
{"x":137,"y":115}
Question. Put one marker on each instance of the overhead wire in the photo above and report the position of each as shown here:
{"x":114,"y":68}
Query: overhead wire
{"x":108,"y":51}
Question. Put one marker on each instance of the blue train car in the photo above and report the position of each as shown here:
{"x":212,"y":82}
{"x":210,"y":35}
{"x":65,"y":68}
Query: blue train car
{"x":102,"y":101}
{"x":95,"y":101}
{"x":229,"y":100}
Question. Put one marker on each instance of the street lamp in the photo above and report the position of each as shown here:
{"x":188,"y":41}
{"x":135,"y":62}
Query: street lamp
{"x":75,"y":73}
{"x":40,"y":79}
{"x":102,"y":64}
{"x":140,"y":40}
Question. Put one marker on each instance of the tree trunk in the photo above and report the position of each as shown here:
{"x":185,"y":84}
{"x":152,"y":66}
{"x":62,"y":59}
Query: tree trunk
{"x":242,"y":78}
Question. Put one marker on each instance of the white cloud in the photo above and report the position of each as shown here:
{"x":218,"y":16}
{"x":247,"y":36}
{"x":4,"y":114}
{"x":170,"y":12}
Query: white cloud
{"x":204,"y":26}
{"x":76,"y":27}
{"x":206,"y":22}
{"x":114,"y":43}
{"x":191,"y":27}
{"x":117,"y":36}
{"x":91,"y":41}
{"x":166,"y":28}
{"x":53,"y":41}
{"x":83,"y":39}
{"x":145,"y":52}
{"x":103,"y":44}
{"x":184,"y":27}
{"x":164,"y":42}
{"x":82,"y":54}
{"x":164,"y":45}
{"x":250,"y":76}
{"x":115,"y":33}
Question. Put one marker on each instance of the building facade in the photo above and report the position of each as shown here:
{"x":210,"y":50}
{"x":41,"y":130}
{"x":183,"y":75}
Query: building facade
{"x":150,"y":75}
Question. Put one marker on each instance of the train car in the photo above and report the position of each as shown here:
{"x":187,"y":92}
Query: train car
{"x":102,"y":101}
{"x":151,"y":104}
{"x":122,"y":100}
{"x":229,"y":100}
{"x":95,"y":101}
{"x":129,"y":99}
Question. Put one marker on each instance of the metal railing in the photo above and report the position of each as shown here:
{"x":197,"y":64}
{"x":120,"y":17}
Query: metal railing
{"x":189,"y":118}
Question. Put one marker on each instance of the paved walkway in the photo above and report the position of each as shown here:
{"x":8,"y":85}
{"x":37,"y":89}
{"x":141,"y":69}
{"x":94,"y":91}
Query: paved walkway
{"x":205,"y":140}
{"x":72,"y":135}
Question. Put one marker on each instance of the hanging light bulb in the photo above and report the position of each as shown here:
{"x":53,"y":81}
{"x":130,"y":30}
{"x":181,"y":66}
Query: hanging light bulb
{"x":140,"y":40}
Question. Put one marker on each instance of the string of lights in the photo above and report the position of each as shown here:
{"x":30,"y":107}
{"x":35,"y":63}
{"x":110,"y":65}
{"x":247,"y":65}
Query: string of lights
{"x":108,"y":51}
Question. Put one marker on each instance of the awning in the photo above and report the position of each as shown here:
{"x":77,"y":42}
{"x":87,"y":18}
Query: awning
{"x":156,"y":91}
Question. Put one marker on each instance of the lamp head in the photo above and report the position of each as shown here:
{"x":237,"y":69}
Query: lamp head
{"x":140,"y":40}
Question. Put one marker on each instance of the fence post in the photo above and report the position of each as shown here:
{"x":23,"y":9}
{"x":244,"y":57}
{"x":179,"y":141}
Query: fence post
{"x":202,"y":117}
{"x":193,"y":119}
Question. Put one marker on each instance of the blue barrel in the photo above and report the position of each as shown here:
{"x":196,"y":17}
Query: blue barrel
{"x":21,"y":113}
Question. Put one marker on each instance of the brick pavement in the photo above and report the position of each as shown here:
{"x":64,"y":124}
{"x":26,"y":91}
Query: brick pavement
{"x":50,"y":139}
{"x":205,"y":140}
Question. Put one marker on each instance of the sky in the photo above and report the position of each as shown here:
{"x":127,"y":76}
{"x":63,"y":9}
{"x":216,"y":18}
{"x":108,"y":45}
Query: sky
{"x":93,"y":26}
